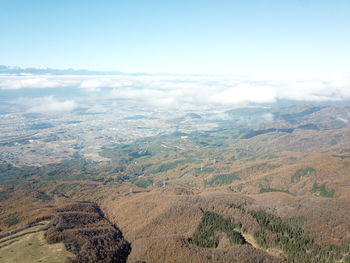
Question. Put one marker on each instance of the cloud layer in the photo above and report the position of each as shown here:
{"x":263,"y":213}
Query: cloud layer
{"x":180,"y":91}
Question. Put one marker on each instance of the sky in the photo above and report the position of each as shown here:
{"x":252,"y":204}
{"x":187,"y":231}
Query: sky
{"x":265,"y":38}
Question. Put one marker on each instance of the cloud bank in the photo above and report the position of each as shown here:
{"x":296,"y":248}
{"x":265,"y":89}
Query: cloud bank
{"x":13,"y":82}
{"x":180,"y":91}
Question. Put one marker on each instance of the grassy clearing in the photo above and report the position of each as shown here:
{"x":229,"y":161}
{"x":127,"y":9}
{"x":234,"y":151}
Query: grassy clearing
{"x":43,"y":196}
{"x":221,"y":179}
{"x":168,"y":166}
{"x":32,"y":247}
{"x":320,"y":190}
{"x":143,"y":183}
{"x":269,"y":189}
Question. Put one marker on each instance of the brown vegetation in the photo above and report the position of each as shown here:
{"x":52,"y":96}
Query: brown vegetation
{"x":300,"y":174}
{"x":85,"y":232}
{"x":179,"y":250}
{"x":160,"y":224}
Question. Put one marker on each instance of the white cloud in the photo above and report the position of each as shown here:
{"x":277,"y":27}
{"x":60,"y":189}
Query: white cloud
{"x":12,"y":82}
{"x":32,"y":82}
{"x":185,"y":91}
{"x":315,"y":90}
{"x":245,"y":93}
{"x":50,"y":105}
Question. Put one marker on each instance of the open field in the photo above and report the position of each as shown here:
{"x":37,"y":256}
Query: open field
{"x":30,"y":246}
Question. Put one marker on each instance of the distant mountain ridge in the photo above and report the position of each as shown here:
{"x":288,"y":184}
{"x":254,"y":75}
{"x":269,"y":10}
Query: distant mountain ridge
{"x":50,"y":71}
{"x":44,"y":71}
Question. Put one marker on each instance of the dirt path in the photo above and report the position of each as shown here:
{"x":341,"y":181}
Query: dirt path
{"x":272,"y":251}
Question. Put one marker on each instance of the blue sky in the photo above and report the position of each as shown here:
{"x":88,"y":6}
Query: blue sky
{"x":272,"y":38}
